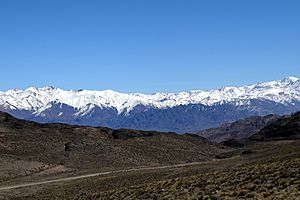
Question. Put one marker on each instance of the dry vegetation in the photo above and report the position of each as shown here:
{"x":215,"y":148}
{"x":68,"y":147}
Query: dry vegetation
{"x":27,"y":148}
{"x":259,"y":167}
{"x":33,"y":152}
{"x":280,"y":179}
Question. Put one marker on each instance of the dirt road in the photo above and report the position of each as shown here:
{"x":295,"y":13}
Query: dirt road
{"x":95,"y":174}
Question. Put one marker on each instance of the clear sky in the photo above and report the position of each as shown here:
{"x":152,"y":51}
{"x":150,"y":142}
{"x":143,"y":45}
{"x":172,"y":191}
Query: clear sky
{"x":147,"y":45}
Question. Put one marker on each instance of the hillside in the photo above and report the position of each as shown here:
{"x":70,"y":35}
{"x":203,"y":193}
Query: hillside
{"x":284,"y":128}
{"x":278,"y":179}
{"x":238,"y":130}
{"x":29,"y":149}
{"x":262,"y":170}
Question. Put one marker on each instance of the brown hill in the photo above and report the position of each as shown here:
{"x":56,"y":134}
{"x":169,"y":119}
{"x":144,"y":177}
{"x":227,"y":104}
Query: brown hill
{"x":238,"y":130}
{"x":287,"y":127}
{"x":28,"y":148}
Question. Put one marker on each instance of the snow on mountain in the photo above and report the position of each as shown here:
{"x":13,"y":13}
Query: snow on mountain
{"x":37,"y":100}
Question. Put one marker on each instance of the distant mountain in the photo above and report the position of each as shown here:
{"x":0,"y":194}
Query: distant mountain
{"x":178,"y":112}
{"x":238,"y":130}
{"x":287,"y":127}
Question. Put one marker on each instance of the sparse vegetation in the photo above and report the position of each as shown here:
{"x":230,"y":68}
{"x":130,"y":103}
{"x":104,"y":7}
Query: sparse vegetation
{"x":280,"y":179}
{"x":34,"y":152}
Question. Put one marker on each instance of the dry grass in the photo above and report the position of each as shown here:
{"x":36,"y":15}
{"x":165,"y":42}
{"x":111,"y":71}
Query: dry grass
{"x":280,"y":179}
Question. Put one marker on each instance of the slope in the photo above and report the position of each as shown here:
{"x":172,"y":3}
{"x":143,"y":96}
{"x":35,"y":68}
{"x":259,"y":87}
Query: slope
{"x":284,"y":128}
{"x":29,"y":149}
{"x":238,"y":130}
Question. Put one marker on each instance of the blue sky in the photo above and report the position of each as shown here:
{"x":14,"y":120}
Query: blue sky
{"x":147,"y":45}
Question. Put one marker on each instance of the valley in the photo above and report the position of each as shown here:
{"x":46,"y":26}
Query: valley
{"x":182,"y":181}
{"x":59,"y":161}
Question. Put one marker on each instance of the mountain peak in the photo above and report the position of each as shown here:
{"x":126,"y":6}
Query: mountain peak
{"x":48,"y":88}
{"x":36,"y":89}
{"x":290,"y":79}
{"x":32,"y":88}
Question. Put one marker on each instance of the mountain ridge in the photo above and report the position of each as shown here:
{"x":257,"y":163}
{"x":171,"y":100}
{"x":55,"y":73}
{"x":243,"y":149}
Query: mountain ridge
{"x":239,"y":130}
{"x":286,"y":127}
{"x":180,"y":112}
{"x":110,"y":98}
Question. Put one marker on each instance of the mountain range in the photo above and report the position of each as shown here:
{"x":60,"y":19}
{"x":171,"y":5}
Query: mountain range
{"x":178,"y":112}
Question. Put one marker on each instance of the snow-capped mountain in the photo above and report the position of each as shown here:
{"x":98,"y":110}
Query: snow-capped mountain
{"x":180,"y":112}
